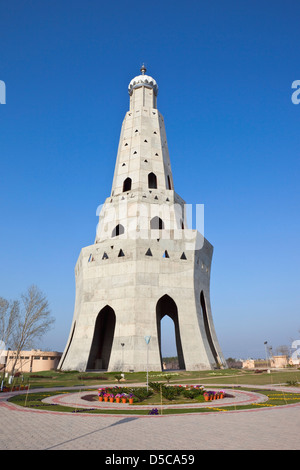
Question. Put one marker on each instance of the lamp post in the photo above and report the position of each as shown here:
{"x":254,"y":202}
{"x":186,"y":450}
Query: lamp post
{"x":122,"y":344}
{"x":266,"y":348}
{"x":147,"y":339}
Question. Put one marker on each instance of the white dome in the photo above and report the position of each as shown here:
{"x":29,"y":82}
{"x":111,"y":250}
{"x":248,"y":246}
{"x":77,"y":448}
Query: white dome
{"x":143,"y":80}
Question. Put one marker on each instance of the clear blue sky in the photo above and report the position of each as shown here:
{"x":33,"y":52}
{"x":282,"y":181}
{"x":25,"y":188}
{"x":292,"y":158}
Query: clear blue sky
{"x":224,"y":70}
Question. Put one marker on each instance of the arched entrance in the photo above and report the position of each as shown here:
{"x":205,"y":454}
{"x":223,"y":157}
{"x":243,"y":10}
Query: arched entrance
{"x":102,"y":339}
{"x":167,"y":306}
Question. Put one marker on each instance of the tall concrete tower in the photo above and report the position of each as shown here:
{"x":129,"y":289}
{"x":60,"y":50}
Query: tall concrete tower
{"x":145,"y":263}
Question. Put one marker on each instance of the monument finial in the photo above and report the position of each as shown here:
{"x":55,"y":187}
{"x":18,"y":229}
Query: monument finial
{"x":143,"y":69}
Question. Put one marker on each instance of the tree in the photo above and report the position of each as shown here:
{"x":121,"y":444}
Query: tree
{"x":30,"y":321}
{"x":9,"y":312}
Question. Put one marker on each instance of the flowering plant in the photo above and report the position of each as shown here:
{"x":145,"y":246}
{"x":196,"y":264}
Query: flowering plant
{"x":154,"y":411}
{"x":118,"y":395}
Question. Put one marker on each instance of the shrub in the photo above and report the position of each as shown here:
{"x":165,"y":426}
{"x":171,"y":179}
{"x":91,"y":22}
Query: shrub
{"x":167,"y":392}
{"x":155,"y":386}
{"x":141,"y":393}
{"x":191,"y":393}
{"x":170,"y":392}
{"x":292,"y":382}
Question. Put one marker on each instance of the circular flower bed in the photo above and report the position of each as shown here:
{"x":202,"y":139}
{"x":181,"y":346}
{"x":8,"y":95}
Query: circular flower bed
{"x":158,"y":391}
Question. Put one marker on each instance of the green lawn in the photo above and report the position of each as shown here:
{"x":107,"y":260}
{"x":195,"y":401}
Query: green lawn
{"x":51,"y":379}
{"x":34,"y":400}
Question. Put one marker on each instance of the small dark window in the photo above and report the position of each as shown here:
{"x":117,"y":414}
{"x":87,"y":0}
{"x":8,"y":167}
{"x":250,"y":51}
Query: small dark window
{"x":127,"y":185}
{"x":104,"y":256}
{"x":152,"y":181}
{"x":148,"y":252}
{"x":169,"y":183}
{"x":156,"y":224}
{"x":118,"y":230}
{"x":121,"y":253}
{"x":183,"y":256}
{"x":166,"y":254}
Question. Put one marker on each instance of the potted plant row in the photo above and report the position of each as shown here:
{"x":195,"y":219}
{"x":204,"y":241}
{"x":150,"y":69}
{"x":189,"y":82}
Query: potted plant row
{"x":210,"y":395}
{"x":14,"y":388}
{"x":103,"y":395}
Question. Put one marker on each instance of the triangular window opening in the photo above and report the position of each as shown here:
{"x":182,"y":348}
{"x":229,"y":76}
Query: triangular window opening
{"x":166,"y":254}
{"x":104,"y":256}
{"x":183,"y":256}
{"x":120,"y":253}
{"x":148,"y":253}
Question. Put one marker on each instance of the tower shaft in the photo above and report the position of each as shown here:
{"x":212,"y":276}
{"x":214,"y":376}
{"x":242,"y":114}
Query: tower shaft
{"x":145,"y":263}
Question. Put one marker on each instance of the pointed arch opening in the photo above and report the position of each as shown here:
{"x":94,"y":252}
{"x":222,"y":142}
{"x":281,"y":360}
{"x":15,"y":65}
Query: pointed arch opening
{"x":102,"y":339}
{"x":169,"y":183}
{"x":156,"y":223}
{"x":167,"y":306}
{"x":152,"y":181}
{"x":118,"y":230}
{"x":207,"y":328}
{"x":127,"y":185}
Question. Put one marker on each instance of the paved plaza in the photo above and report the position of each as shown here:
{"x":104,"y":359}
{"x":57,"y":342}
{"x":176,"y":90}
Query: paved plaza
{"x":269,"y":428}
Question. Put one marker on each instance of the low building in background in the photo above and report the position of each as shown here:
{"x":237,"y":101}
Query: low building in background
{"x":30,"y":361}
{"x":274,"y":362}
